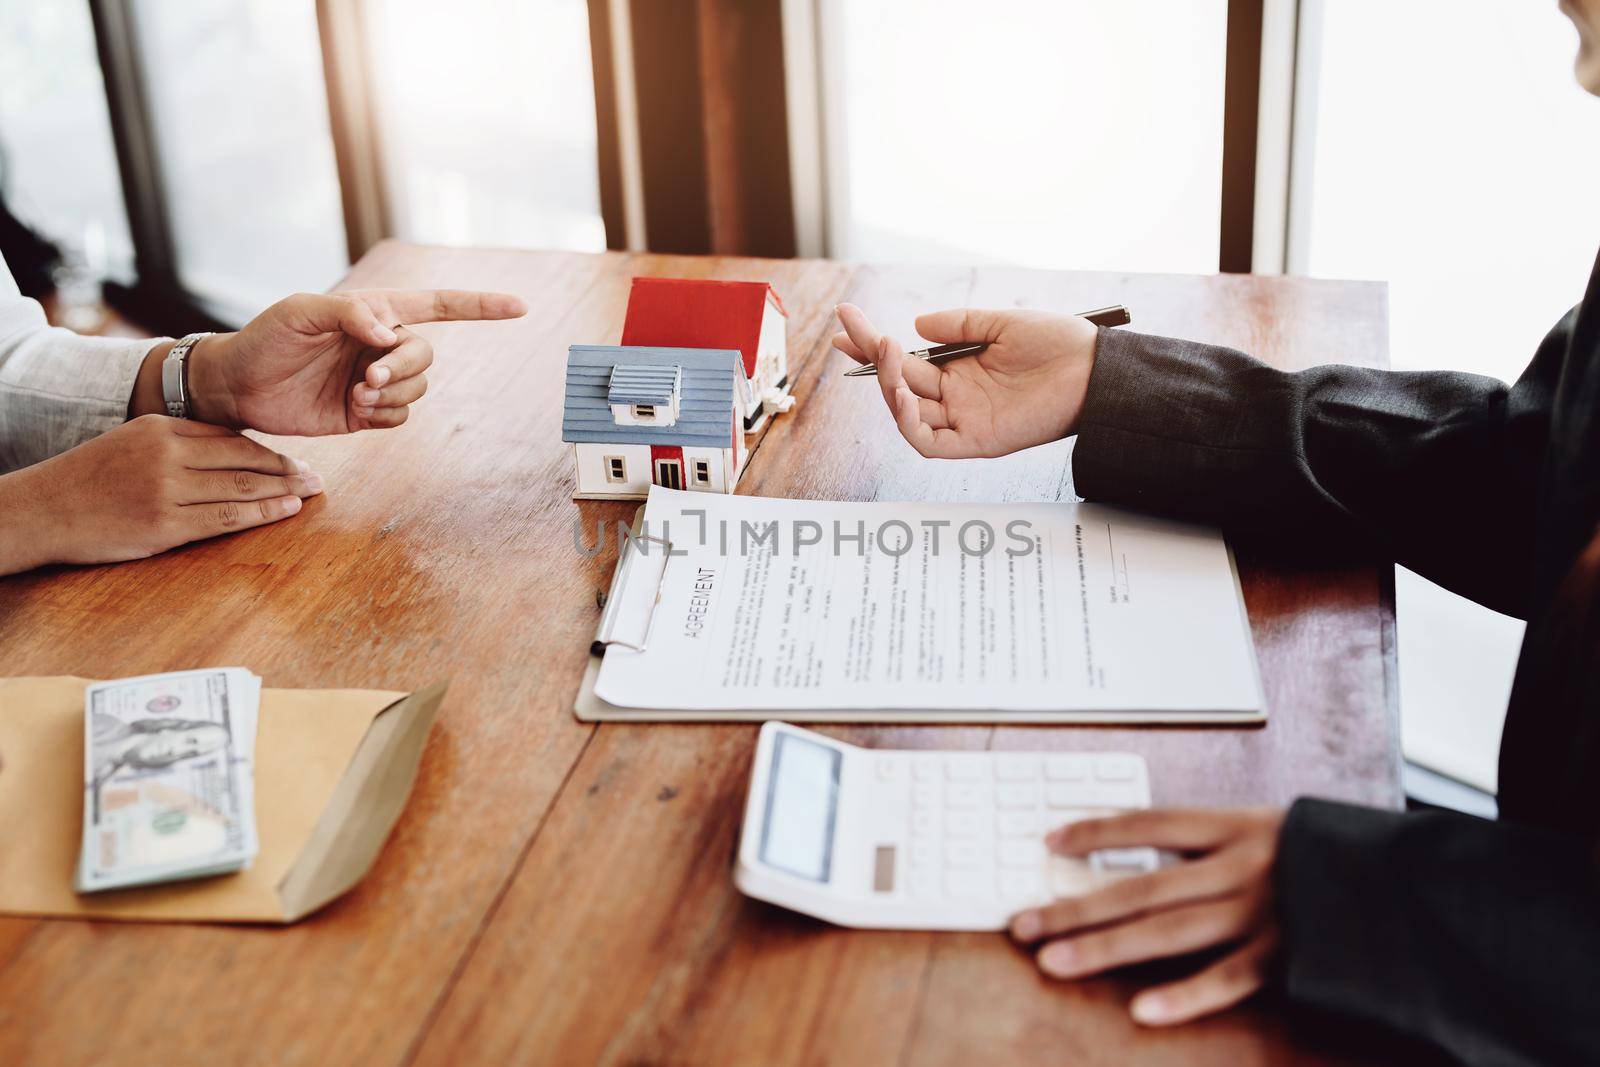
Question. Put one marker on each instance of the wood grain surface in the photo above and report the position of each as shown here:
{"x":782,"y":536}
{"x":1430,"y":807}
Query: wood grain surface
{"x":558,"y":892}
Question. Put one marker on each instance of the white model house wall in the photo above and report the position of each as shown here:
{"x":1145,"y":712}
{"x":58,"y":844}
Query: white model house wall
{"x":718,"y":461}
{"x":751,"y":393}
{"x":593,"y":476}
{"x":772,"y":351}
{"x":594,"y":461}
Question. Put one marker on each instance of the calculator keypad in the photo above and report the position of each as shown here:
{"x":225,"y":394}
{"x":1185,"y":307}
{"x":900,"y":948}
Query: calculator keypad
{"x":977,"y":822}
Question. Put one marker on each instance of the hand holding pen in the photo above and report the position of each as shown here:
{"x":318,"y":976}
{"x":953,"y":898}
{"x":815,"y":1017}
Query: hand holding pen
{"x":1024,"y":386}
{"x":1115,"y":315}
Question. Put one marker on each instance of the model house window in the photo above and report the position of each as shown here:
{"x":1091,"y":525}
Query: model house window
{"x":644,"y":411}
{"x":616,"y":469}
{"x":702,"y":472}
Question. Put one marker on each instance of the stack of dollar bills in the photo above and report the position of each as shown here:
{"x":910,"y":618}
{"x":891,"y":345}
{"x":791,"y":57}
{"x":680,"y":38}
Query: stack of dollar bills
{"x":169,"y":778}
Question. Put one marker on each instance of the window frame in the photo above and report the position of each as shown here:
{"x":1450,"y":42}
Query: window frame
{"x":771,"y":163}
{"x":156,"y":298}
{"x":1264,"y":41}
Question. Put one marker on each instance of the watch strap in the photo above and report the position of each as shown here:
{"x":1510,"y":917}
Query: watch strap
{"x":175,"y":376}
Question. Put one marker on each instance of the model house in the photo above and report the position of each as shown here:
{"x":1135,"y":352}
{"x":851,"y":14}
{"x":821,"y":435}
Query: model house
{"x":672,"y":416}
{"x":705,"y":313}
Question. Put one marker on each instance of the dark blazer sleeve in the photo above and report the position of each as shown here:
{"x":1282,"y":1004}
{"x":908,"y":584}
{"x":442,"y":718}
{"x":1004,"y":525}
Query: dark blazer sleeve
{"x":1435,"y":470}
{"x":1483,"y":937}
{"x":1480,"y":937}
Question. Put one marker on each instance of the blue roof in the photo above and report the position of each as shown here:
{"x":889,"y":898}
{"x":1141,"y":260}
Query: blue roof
{"x":706,"y":382}
{"x":635,"y":384}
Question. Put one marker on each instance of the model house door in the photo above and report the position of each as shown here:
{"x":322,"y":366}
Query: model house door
{"x":669,"y":473}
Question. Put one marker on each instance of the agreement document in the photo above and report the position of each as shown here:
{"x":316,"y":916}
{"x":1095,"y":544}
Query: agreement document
{"x":798,"y":605}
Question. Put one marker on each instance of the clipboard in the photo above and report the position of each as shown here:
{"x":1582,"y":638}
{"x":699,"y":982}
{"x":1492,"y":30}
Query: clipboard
{"x":627,"y":617}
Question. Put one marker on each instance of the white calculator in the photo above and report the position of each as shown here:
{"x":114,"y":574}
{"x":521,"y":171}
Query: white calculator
{"x":925,"y":840}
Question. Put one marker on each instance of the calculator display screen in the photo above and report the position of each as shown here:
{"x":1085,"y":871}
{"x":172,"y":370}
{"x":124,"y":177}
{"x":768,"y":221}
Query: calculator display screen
{"x":802,"y":801}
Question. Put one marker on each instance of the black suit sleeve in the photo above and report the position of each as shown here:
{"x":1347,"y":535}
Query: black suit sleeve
{"x":1435,"y":470}
{"x":1480,"y":937}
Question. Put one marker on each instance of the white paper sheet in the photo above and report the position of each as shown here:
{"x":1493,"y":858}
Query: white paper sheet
{"x":798,"y":604}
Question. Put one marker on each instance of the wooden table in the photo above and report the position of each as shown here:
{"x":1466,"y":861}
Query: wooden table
{"x":561,"y":893}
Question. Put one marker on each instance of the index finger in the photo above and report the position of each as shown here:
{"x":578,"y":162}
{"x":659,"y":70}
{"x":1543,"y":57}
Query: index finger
{"x":842,"y":342}
{"x":858,"y":328}
{"x":236,"y":452}
{"x":1197,"y":880}
{"x":974,"y":325}
{"x":1176,"y":828}
{"x":443,"y":305}
{"x":921,"y":377}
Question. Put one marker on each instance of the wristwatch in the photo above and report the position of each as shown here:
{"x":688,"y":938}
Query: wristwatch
{"x":175,"y":376}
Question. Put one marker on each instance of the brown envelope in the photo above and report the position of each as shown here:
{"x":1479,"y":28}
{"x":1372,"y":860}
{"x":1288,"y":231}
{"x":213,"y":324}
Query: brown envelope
{"x":333,"y":769}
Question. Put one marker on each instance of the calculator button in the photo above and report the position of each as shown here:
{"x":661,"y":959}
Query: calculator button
{"x":963,"y":854}
{"x":924,"y":853}
{"x":924,"y":823}
{"x":887,"y":817}
{"x":1018,"y":823}
{"x":890,"y":770}
{"x":925,"y":770}
{"x":1065,"y":796}
{"x":963,"y":824}
{"x":965,"y":768}
{"x":1066,"y":768}
{"x":1124,"y":860}
{"x":969,"y":884}
{"x":1016,"y":768}
{"x":1021,"y":885}
{"x":1017,"y":796}
{"x":1115,"y":768}
{"x":883,"y":868}
{"x":1069,"y":877}
{"x":924,"y":884}
{"x":1022,"y":853}
{"x":963,"y":796}
{"x":924,"y":795}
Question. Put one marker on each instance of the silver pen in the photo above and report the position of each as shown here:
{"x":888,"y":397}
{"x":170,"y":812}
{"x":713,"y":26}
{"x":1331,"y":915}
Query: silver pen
{"x":1115,"y":315}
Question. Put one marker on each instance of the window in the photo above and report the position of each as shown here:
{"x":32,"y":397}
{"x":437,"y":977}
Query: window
{"x":1095,"y":144}
{"x":1423,"y":132}
{"x":702,"y":472}
{"x":253,"y":202}
{"x":644,"y":411}
{"x":616,"y":469}
{"x":488,"y":122}
{"x":58,"y":167}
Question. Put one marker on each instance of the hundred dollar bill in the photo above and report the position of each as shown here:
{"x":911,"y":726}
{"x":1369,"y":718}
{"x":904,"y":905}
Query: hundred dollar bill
{"x":169,"y":784}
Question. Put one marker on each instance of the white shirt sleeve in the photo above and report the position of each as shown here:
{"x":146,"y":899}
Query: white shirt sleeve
{"x":57,"y":389}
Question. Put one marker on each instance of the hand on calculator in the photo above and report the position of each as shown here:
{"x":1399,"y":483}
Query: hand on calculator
{"x":1220,"y":895}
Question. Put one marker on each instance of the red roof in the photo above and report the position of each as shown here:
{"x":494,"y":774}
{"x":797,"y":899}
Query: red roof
{"x":698,"y":313}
